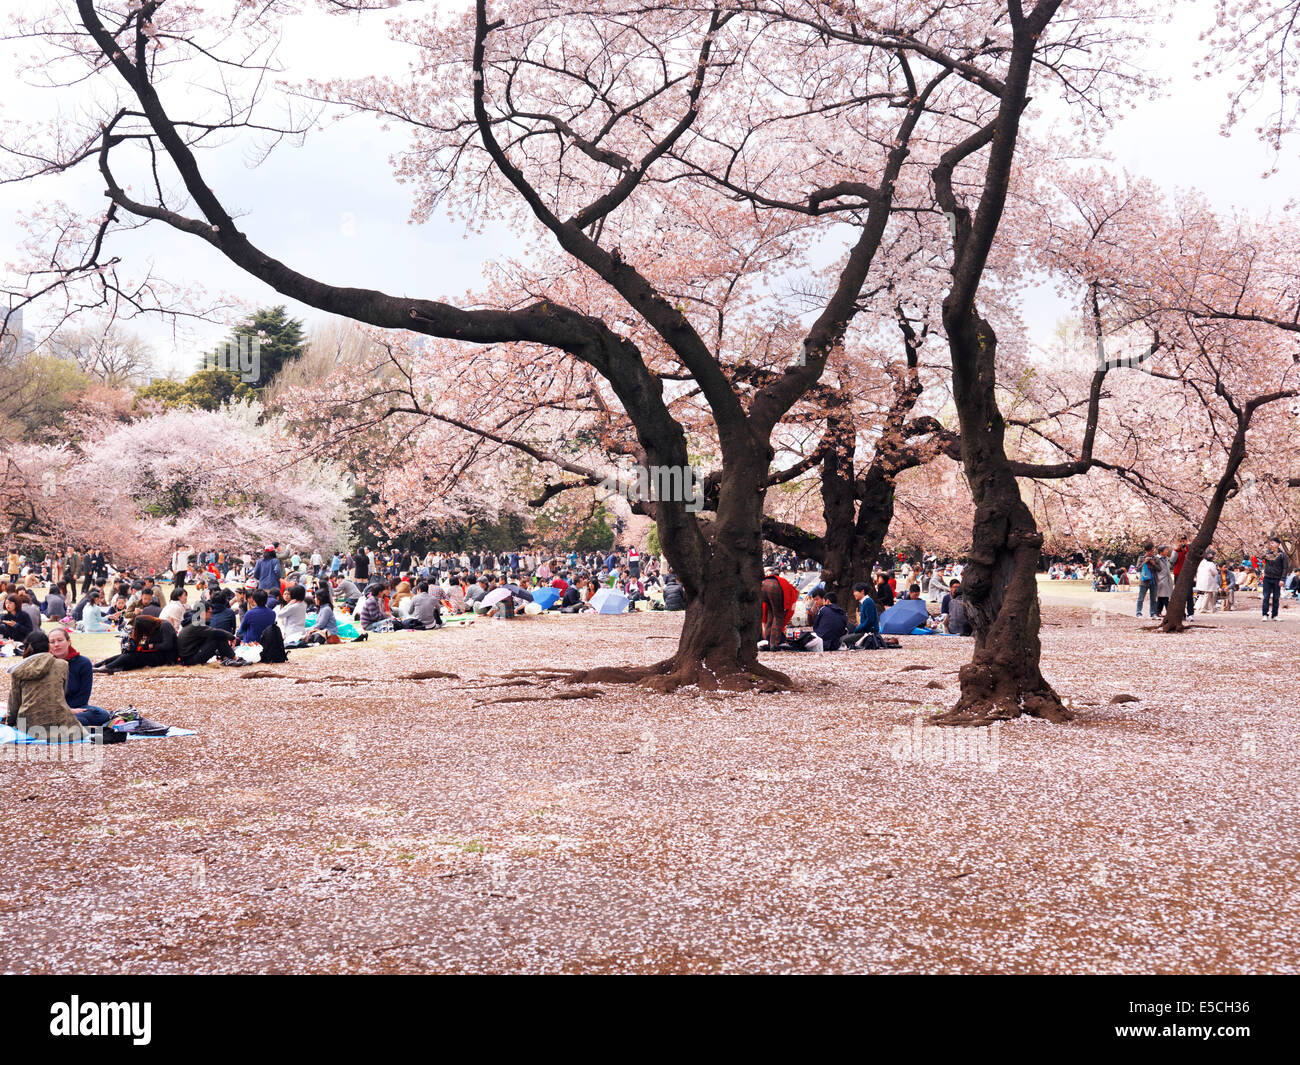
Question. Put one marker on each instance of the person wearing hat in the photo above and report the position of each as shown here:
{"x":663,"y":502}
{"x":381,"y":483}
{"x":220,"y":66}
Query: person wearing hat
{"x":268,"y":571}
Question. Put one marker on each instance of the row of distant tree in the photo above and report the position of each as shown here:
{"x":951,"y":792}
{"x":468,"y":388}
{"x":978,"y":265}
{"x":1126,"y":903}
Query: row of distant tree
{"x":39,"y":386}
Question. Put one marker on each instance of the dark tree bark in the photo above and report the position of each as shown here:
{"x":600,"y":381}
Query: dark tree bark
{"x":1175,"y":619}
{"x":858,"y":505}
{"x":999,"y":584}
{"x":720,"y":570}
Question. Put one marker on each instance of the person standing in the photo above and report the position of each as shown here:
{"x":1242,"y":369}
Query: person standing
{"x":1164,"y":580}
{"x":1276,"y":565}
{"x":1207,"y":581}
{"x":1180,"y":560}
{"x":268,"y":572}
{"x":1148,"y":578}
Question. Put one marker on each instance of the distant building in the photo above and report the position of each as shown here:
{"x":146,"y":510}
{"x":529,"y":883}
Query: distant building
{"x":15,"y":341}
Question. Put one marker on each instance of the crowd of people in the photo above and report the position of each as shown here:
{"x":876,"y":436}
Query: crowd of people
{"x":1215,"y":583}
{"x":212,"y":602}
{"x":931,"y":601}
{"x":232,"y":609}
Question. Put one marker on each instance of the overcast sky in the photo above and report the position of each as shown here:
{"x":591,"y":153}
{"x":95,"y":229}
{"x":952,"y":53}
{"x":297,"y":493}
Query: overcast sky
{"x":332,"y":208}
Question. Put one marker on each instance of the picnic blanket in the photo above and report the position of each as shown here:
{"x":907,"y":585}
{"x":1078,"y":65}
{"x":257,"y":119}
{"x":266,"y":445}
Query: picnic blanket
{"x":8,"y":734}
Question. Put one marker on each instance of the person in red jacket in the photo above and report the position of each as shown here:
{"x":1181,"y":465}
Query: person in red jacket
{"x":778,"y":597}
{"x":1180,"y":557}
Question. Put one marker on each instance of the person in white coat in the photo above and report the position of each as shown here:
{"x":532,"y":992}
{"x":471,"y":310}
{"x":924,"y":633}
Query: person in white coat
{"x":1207,"y":582}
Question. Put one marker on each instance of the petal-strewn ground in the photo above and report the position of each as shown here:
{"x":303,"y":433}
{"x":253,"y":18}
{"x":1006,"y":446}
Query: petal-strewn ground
{"x":360,"y":822}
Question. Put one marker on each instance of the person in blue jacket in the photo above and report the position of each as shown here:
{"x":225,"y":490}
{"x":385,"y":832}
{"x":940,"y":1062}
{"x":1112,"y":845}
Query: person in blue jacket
{"x":868,"y":621}
{"x":268,"y":571}
{"x":829,"y":626}
{"x":256,"y":620}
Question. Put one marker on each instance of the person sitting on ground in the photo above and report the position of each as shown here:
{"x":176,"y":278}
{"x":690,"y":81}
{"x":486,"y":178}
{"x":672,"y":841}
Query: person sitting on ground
{"x":94,"y":616}
{"x":116,"y":615}
{"x":221,"y":616}
{"x":15,"y":623}
{"x":292,"y":617}
{"x":952,"y":611}
{"x":325,"y":629}
{"x":475,"y":592}
{"x":197,"y":644}
{"x":37,"y":688}
{"x":174,"y":612}
{"x":884,"y":595}
{"x":426,"y":611}
{"x":829,"y":625}
{"x":152,"y":643}
{"x":347,"y":591}
{"x":371,"y":612}
{"x":81,"y":678}
{"x":28,"y":601}
{"x":674,"y":593}
{"x":571,"y":600}
{"x":145,"y":606}
{"x":257,"y":619}
{"x":55,"y":606}
{"x":400,"y":594}
{"x":867,"y":633}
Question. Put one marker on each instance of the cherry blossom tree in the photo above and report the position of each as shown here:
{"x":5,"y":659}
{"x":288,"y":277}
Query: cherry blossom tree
{"x":594,"y":127}
{"x":1222,"y":293}
{"x":222,"y":478}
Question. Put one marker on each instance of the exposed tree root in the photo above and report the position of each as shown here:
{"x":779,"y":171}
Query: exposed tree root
{"x":512,"y":684}
{"x":581,"y":693}
{"x":667,"y":676}
{"x":430,"y":674}
{"x":990,"y":694}
{"x":914,"y":665}
{"x":541,"y":673}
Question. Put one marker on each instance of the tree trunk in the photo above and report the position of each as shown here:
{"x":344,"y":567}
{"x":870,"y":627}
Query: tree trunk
{"x":1176,"y":610}
{"x":718,"y":648}
{"x":999,"y":583}
{"x":839,"y":553}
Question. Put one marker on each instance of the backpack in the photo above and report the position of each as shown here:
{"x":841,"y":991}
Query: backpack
{"x":273,"y":649}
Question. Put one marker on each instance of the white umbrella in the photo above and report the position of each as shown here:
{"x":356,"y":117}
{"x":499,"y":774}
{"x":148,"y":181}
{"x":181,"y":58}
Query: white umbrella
{"x":495,"y":597}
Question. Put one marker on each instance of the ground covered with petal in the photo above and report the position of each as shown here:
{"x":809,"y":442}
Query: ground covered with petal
{"x":339,"y":817}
